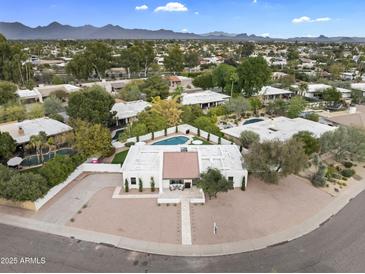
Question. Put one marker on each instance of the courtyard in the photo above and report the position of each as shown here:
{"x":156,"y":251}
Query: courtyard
{"x":239,"y":215}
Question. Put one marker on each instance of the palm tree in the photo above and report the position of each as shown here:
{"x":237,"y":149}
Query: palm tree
{"x":52,"y":145}
{"x":303,"y":87}
{"x":35,"y":142}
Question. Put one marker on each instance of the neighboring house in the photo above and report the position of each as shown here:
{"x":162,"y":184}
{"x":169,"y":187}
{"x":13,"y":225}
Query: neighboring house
{"x":316,"y":90}
{"x":29,"y":96}
{"x":269,"y":94}
{"x":347,"y":76}
{"x":22,"y":131}
{"x":279,"y":128}
{"x":181,"y":164}
{"x":47,"y":91}
{"x":127,"y":111}
{"x":109,"y":86}
{"x":354,"y":118}
{"x":359,"y":86}
{"x":279,"y":75}
{"x":179,"y":81}
{"x":205,"y":99}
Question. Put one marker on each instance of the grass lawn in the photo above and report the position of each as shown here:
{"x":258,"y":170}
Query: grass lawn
{"x":205,"y":142}
{"x":120,"y":157}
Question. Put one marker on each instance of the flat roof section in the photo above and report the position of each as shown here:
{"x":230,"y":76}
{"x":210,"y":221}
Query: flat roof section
{"x":180,"y":165}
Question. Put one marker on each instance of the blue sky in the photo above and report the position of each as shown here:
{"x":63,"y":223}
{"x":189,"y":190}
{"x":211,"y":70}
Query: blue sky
{"x":277,"y":18}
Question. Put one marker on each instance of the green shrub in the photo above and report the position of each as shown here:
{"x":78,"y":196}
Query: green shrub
{"x":348,"y":172}
{"x":126,"y":185}
{"x":348,"y":164}
{"x":129,"y":144}
{"x":59,"y":168}
{"x":140,"y":185}
{"x":152,"y":184}
{"x":23,"y":187}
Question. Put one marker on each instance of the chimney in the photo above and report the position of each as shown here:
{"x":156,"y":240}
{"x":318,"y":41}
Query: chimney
{"x":21,"y":131}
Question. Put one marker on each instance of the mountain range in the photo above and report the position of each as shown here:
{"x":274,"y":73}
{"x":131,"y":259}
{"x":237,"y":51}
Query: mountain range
{"x":57,"y":31}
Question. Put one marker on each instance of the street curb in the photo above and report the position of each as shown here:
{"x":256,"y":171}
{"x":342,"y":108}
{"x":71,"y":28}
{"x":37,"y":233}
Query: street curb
{"x":275,"y":239}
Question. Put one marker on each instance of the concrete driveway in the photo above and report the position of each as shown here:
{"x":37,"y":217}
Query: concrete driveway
{"x":71,"y":199}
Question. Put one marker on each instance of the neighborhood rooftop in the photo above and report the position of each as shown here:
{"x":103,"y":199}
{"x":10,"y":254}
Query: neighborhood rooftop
{"x":145,"y":158}
{"x":268,"y":90}
{"x":22,"y":131}
{"x":129,"y":109}
{"x":280,"y":128}
{"x":203,"y":97}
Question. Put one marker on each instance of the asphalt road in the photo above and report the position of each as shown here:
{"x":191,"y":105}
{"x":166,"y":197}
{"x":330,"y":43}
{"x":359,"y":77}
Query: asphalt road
{"x":337,"y":246}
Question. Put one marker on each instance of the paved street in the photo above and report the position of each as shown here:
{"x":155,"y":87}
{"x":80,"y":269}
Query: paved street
{"x":338,"y":246}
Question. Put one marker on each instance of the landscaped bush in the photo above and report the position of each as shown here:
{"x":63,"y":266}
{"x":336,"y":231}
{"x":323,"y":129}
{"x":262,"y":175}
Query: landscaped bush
{"x":129,"y":144}
{"x":126,"y":185}
{"x":140,"y":185}
{"x":21,"y":186}
{"x":59,"y":168}
{"x":348,"y":172}
{"x":348,"y":164}
{"x":153,"y":184}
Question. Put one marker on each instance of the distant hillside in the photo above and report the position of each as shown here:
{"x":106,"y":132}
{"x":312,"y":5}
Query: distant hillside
{"x":57,"y":31}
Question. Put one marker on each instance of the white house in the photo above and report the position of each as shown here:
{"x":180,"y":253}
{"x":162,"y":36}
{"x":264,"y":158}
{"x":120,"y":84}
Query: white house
{"x":181,"y":164}
{"x":27,"y":95}
{"x":205,"y":99}
{"x":127,"y":111}
{"x":46,"y":91}
{"x":279,"y":128}
{"x":359,"y":86}
{"x":22,"y":131}
{"x":316,"y":90}
{"x":268,"y":93}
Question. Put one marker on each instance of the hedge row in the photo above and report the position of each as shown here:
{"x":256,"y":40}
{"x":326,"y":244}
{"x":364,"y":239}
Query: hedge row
{"x":30,"y":186}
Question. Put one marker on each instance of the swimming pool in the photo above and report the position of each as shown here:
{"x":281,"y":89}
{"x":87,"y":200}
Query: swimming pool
{"x":178,"y":140}
{"x":252,"y":121}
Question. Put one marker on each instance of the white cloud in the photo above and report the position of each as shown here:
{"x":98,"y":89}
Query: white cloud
{"x":254,"y":1}
{"x":266,"y":34}
{"x":172,"y":7}
{"x":143,"y":7}
{"x":184,"y":30}
{"x":196,"y":13}
{"x":306,"y":19}
{"x":323,"y":19}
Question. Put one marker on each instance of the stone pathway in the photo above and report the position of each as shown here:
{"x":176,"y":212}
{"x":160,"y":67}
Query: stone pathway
{"x":185,"y":222}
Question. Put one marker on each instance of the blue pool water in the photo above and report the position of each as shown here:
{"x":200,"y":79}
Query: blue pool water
{"x":179,"y":140}
{"x":252,"y":121}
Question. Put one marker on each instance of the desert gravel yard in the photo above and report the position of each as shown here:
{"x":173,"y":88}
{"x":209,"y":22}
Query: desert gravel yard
{"x":140,"y":219}
{"x":261,"y":210}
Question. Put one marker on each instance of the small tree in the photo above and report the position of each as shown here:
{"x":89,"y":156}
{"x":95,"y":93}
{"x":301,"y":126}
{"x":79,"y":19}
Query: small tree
{"x":140,"y":185}
{"x":247,"y":138}
{"x":219,"y":140}
{"x":345,"y":143}
{"x":153,"y":135}
{"x":319,"y":178}
{"x":243,"y":185}
{"x":152,"y":184}
{"x":208,"y":138}
{"x":212,"y":182}
{"x":165,"y":131}
{"x":311,"y":143}
{"x":126,"y":185}
{"x":296,"y":106}
{"x":198,"y":132}
{"x":273,"y":160}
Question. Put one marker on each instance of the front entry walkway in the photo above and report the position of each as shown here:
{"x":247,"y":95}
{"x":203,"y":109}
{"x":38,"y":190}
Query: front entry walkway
{"x":185,"y":222}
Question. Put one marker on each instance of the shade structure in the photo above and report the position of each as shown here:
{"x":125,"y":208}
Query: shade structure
{"x":15,"y":161}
